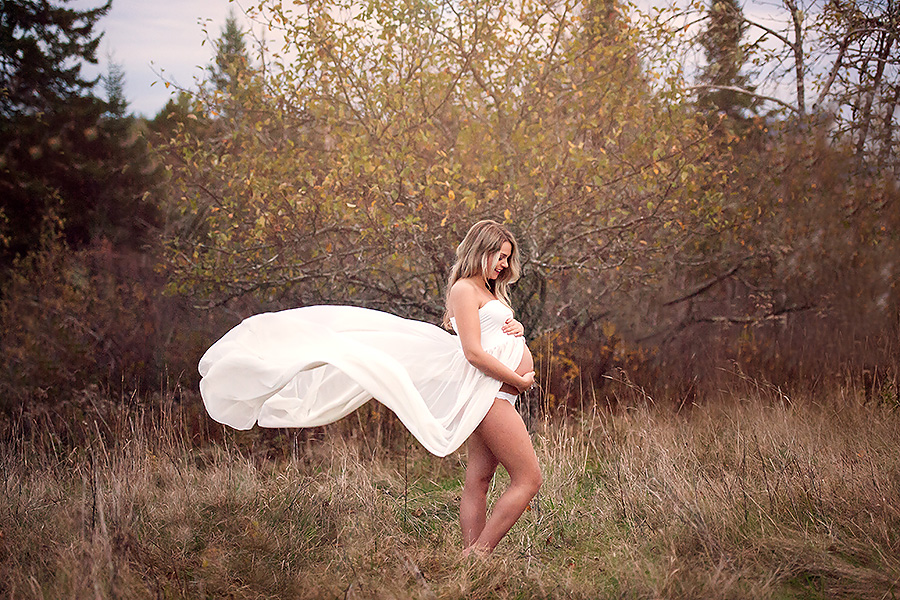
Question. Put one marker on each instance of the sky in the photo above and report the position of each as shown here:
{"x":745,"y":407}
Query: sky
{"x":156,"y":41}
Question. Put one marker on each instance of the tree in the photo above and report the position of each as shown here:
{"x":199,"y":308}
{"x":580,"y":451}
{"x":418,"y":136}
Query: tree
{"x":114,"y":87}
{"x":231,"y":57}
{"x":42,"y":49}
{"x":372,"y":142}
{"x":839,"y":58}
{"x":862,"y":38}
{"x":721,"y":41}
{"x":379,"y":133}
{"x":802,"y":249}
{"x":65,"y":162}
{"x":230,"y":74}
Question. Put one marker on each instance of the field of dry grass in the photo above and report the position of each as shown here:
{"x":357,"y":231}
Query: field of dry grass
{"x":752,"y":495}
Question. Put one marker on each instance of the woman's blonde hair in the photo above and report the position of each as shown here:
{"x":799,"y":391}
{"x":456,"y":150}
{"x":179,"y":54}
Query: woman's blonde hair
{"x":478,"y":254}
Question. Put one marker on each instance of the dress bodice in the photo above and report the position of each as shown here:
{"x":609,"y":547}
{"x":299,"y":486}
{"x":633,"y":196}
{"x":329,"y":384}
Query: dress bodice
{"x":492,"y":316}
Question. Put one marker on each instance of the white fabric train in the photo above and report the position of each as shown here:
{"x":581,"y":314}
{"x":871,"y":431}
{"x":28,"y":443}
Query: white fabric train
{"x":314,"y":365}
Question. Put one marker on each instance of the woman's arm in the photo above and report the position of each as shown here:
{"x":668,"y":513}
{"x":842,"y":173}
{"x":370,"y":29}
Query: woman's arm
{"x":463,"y":304}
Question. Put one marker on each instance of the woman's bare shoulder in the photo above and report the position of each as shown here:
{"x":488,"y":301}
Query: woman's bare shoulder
{"x":463,"y":289}
{"x":462,"y":293}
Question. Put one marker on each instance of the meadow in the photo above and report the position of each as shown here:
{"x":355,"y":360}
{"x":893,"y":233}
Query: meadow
{"x":751,"y":494}
{"x":680,"y":210}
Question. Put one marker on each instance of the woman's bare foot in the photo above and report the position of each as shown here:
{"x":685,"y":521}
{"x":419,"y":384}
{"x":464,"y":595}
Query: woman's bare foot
{"x":475,"y":552}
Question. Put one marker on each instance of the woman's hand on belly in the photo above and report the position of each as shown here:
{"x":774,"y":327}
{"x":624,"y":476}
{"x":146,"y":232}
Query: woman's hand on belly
{"x":513,"y":328}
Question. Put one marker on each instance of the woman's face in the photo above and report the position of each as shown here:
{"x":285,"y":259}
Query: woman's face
{"x":502,"y":259}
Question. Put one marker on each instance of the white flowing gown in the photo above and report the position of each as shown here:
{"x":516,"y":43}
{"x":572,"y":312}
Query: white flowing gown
{"x":314,"y":365}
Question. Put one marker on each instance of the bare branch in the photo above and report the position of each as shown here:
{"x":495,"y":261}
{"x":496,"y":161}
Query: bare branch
{"x":754,"y":320}
{"x":770,"y":31}
{"x":707,"y":284}
{"x":734,"y":88}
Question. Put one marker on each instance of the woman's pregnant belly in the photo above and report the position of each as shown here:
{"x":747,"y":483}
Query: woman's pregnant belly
{"x":525,"y":365}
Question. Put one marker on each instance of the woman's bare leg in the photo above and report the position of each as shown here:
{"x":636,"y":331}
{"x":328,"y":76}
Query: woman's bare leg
{"x":503,"y":434}
{"x":473,"y":505}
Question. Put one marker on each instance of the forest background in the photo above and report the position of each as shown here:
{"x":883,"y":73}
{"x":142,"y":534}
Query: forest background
{"x":704,"y":203}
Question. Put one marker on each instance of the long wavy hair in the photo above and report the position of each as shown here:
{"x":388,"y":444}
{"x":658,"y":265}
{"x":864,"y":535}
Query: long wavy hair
{"x":478,"y":254}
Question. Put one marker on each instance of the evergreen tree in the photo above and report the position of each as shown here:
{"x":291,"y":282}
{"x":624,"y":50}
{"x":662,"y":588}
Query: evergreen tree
{"x":232,"y":59}
{"x":721,"y":41}
{"x":66,"y":162}
{"x":114,"y":87}
{"x":42,"y":49}
{"x":178,"y":111}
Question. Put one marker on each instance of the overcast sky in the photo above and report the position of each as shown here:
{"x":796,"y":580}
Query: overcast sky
{"x":159,"y":40}
{"x":155,"y":39}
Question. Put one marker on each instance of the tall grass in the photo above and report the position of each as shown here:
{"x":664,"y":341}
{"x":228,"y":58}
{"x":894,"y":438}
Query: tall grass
{"x":752,"y":495}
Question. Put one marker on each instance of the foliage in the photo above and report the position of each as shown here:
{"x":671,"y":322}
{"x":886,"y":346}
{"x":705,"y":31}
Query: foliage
{"x":655,"y":239}
{"x":90,"y":172}
{"x":65,"y":156}
{"x":380,"y":132}
{"x":721,"y":41}
{"x":114,"y":87}
{"x":42,"y":48}
{"x":795,"y":281}
{"x":90,"y":318}
{"x":346,"y":165}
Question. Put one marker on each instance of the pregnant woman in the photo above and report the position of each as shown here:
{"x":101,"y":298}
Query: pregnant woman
{"x":311,"y":366}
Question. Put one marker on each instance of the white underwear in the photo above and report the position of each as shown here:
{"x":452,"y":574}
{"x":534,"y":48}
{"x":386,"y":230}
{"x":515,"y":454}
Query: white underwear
{"x":507,"y":396}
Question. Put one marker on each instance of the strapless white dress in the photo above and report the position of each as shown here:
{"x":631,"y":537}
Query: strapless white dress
{"x":314,"y":365}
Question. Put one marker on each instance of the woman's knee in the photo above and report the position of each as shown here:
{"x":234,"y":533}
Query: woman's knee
{"x":537,"y":480}
{"x":529,"y":479}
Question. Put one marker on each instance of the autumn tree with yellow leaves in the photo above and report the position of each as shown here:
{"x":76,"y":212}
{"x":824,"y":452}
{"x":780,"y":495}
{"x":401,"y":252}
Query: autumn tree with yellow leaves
{"x":345,"y":164}
{"x":377,"y":135}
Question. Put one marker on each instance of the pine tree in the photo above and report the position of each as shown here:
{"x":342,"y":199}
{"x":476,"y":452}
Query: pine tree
{"x":114,"y":87}
{"x":721,"y":41}
{"x":67,"y":162}
{"x":232,"y":59}
{"x":42,"y":49}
